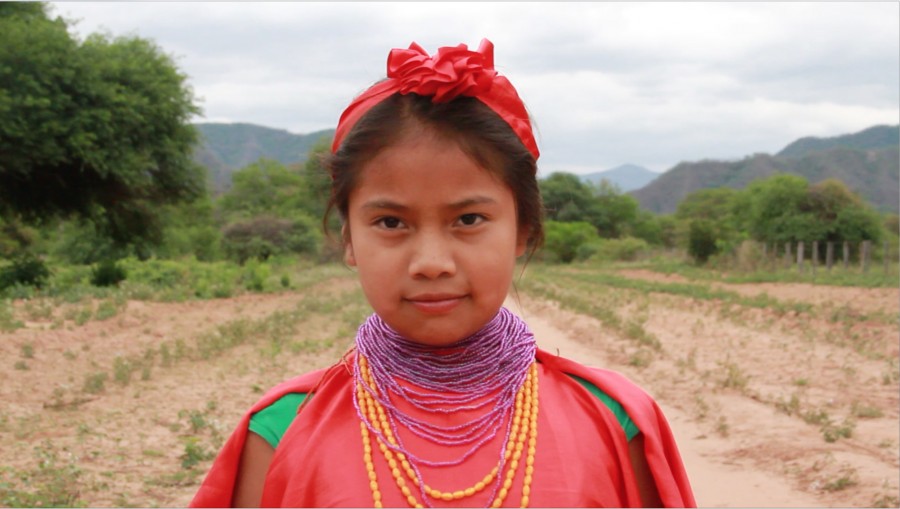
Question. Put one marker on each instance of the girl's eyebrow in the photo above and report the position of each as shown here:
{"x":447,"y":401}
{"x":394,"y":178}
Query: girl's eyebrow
{"x":475,"y":200}
{"x":392,"y":205}
{"x":384,"y":204}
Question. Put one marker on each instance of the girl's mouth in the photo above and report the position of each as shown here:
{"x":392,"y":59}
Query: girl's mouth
{"x":435,"y":304}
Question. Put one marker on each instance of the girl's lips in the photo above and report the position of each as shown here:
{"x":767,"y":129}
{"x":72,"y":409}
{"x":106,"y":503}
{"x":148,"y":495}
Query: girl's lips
{"x":435,"y":304}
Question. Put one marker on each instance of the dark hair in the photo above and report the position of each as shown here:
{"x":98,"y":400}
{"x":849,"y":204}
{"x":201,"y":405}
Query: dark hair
{"x":480,"y":133}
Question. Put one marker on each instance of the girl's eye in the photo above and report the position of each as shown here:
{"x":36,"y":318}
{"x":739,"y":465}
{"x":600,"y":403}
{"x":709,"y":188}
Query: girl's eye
{"x":470,"y":219}
{"x":390,"y":223}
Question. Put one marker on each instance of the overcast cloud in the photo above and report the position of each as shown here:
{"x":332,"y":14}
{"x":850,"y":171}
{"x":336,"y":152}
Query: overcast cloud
{"x":651,"y":84}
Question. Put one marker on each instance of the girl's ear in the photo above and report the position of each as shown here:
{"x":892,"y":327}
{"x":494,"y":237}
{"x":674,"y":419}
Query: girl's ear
{"x":349,"y":257}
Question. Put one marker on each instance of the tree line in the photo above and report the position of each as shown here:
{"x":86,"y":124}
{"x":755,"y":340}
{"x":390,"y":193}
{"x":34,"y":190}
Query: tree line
{"x":591,"y":221}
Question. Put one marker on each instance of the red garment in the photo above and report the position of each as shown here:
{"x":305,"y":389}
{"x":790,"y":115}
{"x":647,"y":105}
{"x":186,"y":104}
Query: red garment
{"x":581,"y":461}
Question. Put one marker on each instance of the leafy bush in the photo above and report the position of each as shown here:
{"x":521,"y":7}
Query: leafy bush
{"x":25,"y":270}
{"x":107,"y":273}
{"x":562,"y":240}
{"x":265,"y":236}
{"x":255,"y":276}
{"x":624,"y":250}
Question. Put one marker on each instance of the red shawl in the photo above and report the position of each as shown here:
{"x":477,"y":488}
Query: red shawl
{"x":582,"y":456}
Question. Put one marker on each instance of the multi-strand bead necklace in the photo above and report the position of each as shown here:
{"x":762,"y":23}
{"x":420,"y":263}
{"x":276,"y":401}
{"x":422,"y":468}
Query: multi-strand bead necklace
{"x":492,"y":371}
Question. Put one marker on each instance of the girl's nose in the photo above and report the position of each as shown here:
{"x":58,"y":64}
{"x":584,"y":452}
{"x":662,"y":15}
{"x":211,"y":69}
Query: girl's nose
{"x":432,"y":257}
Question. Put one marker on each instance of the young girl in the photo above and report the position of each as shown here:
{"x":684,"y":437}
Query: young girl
{"x":445,"y":400}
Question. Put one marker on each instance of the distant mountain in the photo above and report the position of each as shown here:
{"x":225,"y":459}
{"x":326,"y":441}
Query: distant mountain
{"x":627,"y":177}
{"x":225,"y":148}
{"x":866,"y":161}
{"x":873,"y":138}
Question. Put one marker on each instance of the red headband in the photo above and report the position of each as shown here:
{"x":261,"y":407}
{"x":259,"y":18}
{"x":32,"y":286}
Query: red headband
{"x":453,"y":72}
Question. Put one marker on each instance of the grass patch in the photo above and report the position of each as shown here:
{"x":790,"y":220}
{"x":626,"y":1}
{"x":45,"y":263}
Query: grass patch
{"x":734,"y":377}
{"x":95,"y":383}
{"x":832,"y":432}
{"x":56,"y":482}
{"x":847,"y":478}
{"x":699,"y":291}
{"x":122,"y":370}
{"x":863,"y":411}
{"x":8,"y":322}
{"x":195,"y":453}
{"x":838,"y":276}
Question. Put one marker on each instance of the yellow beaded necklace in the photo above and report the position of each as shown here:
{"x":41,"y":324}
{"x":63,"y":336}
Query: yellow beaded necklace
{"x":523,"y":430}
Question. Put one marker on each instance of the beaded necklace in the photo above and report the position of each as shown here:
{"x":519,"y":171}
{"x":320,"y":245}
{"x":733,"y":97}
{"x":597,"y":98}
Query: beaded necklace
{"x":492,"y":370}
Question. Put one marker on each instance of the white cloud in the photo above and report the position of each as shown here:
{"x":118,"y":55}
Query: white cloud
{"x":608,"y":83}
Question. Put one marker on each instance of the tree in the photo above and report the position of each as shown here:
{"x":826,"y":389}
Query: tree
{"x":97,"y":128}
{"x":712,"y":204}
{"x":776,"y":205}
{"x":614,"y":213}
{"x":265,"y":187}
{"x":785,"y":208}
{"x":717,"y":206}
{"x":317,"y":181}
{"x":567,"y":198}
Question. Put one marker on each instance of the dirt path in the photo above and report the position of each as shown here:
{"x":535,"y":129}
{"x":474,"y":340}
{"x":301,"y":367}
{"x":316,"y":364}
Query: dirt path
{"x":716,"y":482}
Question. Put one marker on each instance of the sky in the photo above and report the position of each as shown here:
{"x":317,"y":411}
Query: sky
{"x":651,"y":84}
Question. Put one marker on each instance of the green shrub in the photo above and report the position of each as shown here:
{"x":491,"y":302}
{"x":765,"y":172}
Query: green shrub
{"x":107,"y":273}
{"x":562,"y":240}
{"x":625,"y":249}
{"x":157,"y":273}
{"x":265,"y":236}
{"x":25,"y":270}
{"x":702,"y":240}
{"x":255,"y":275}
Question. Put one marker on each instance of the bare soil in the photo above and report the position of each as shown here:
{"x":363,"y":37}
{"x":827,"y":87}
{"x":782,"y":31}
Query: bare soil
{"x":751,"y":395}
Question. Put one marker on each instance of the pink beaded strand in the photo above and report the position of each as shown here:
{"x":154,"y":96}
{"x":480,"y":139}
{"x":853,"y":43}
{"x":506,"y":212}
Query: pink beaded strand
{"x":484,"y":370}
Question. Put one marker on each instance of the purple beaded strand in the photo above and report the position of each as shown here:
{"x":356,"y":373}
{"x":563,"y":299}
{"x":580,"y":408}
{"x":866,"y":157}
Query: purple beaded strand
{"x":490,"y":366}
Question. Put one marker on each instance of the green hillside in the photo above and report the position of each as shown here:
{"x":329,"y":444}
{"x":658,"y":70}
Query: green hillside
{"x":866,"y":161}
{"x":873,"y":138}
{"x":228,"y":147}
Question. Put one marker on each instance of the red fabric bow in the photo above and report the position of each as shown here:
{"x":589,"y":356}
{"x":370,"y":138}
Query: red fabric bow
{"x":452,"y":72}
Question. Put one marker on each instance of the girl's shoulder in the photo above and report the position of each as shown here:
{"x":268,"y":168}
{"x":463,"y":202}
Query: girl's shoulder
{"x":635,"y":401}
{"x":301,"y":384}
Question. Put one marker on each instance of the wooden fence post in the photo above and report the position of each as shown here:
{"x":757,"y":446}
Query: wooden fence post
{"x":815,"y":256}
{"x":800,"y":257}
{"x":864,"y":249}
{"x":787,"y":255}
{"x":829,"y":254}
{"x":846,"y":254}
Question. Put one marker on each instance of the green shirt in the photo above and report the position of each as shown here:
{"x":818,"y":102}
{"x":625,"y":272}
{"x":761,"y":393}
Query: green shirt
{"x":273,"y":421}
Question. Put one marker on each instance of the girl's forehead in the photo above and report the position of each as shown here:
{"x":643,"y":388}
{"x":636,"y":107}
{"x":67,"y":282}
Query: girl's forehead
{"x":422,"y":168}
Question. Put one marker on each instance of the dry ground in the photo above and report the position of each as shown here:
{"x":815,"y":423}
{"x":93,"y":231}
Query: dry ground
{"x":770,"y":408}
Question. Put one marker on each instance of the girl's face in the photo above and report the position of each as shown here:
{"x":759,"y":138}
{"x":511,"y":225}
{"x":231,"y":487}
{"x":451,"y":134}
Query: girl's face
{"x":434,"y":237}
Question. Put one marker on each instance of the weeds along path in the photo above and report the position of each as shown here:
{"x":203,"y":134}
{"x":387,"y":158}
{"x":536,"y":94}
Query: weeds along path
{"x":776,"y":389}
{"x":128,"y":411}
{"x":846,"y":299}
